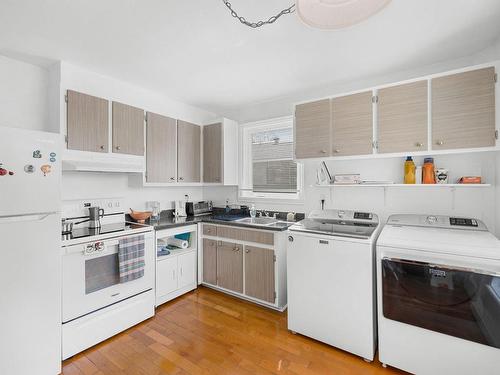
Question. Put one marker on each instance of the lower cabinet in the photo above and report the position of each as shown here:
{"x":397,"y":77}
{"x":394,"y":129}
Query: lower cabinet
{"x":210,"y":261}
{"x":230,"y":266}
{"x":175,"y":275}
{"x":245,"y":262}
{"x":259,"y":273}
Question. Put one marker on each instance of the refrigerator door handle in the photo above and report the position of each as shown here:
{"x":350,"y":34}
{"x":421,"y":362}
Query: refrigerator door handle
{"x":25,"y":218}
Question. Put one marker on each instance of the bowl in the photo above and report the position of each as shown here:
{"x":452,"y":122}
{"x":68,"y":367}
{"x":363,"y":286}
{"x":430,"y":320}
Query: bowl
{"x":140,"y":216}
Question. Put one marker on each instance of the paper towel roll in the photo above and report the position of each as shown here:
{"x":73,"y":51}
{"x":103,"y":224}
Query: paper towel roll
{"x":182,"y":244}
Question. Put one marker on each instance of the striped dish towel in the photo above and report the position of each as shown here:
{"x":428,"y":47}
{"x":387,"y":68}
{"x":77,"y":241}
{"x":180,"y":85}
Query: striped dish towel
{"x":131,"y":258}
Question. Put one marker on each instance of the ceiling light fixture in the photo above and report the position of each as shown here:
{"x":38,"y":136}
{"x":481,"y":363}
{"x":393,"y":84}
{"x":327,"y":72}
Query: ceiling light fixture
{"x":322,"y":14}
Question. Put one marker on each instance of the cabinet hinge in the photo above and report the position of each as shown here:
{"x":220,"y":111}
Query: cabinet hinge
{"x":66,"y":98}
{"x":375,"y":99}
{"x":274,"y":258}
{"x":274,"y":295}
{"x":496,"y":134}
{"x":66,"y":139}
{"x":495,"y":77}
{"x":145,"y":117}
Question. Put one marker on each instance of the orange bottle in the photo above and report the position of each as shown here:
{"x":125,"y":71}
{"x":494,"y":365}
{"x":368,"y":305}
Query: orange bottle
{"x":409,"y":171}
{"x":428,"y":175}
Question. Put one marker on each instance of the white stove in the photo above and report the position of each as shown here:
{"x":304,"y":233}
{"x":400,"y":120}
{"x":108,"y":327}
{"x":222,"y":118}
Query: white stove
{"x":438,"y":281}
{"x":96,"y":304}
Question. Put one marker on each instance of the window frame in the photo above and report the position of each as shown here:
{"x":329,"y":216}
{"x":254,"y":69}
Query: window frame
{"x":245,"y":186}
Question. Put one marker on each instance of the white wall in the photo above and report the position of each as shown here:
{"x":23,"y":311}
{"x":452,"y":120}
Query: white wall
{"x":476,"y":202}
{"x":24,"y":95}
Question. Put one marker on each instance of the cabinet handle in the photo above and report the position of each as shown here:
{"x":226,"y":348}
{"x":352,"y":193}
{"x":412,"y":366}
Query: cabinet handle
{"x":419,"y":144}
{"x":440,"y":143}
{"x":181,"y":178}
{"x":336,"y":151}
{"x":247,"y":251}
{"x":323,"y":151}
{"x":172,"y":178}
{"x":102,"y":147}
{"x":118,"y":148}
{"x":236,"y":249}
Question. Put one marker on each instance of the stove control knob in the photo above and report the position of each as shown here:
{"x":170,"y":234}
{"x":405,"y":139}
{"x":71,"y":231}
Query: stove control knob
{"x":99,"y":246}
{"x":290,"y":239}
{"x":432,"y":219}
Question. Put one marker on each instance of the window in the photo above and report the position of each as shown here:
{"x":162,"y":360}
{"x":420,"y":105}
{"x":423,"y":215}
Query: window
{"x":268,"y":168}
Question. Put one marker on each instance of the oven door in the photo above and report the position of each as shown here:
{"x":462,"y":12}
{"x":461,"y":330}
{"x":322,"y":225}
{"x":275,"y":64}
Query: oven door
{"x":91,"y":279}
{"x":456,"y":301}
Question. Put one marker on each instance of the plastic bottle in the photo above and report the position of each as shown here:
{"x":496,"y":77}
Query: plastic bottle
{"x":253,"y":211}
{"x":409,"y":171}
{"x":418,"y":174}
{"x":428,"y":174}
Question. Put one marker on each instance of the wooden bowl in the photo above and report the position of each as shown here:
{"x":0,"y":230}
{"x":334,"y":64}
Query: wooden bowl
{"x":140,"y":216}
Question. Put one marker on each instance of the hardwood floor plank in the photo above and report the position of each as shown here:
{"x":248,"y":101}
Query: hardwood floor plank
{"x":206,"y":332}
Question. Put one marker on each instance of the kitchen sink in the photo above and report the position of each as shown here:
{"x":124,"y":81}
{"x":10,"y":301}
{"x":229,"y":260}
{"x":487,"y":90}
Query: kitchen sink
{"x":258,"y":220}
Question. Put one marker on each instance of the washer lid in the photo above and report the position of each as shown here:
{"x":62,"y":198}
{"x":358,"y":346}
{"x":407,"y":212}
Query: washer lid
{"x":336,"y":14}
{"x":477,"y":244}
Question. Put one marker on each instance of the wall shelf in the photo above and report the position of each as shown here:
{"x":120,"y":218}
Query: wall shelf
{"x":410,"y":186}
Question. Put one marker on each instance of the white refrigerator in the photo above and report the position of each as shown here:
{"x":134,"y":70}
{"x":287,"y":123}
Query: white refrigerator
{"x":30,"y":235}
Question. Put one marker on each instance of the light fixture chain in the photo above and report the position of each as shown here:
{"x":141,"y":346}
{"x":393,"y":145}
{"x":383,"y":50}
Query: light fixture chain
{"x":255,"y":25}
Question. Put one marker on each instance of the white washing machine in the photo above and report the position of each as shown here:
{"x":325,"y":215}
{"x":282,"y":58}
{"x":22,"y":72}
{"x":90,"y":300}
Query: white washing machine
{"x":331,"y":279}
{"x":438,"y":281}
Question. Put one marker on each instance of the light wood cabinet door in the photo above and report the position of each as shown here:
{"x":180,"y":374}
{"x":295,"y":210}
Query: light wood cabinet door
{"x":87,"y":122}
{"x":403,"y":118}
{"x":352,"y":124}
{"x":166,"y":276}
{"x":313,"y":129}
{"x":210,"y":261}
{"x":212,"y":153}
{"x":463,"y":110}
{"x":188,"y":152}
{"x":259,"y":273}
{"x":161,"y":143}
{"x":230,"y":266}
{"x":128,"y":129}
{"x":186,"y":267}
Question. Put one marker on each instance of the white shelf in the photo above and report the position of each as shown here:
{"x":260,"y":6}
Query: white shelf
{"x":424,"y":186}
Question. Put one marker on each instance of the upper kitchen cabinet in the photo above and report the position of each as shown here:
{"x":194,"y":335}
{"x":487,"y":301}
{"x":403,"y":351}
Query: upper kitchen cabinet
{"x":313,"y":129}
{"x":87,"y":122}
{"x":463,"y":110}
{"x":352,"y":124}
{"x":188,"y":152}
{"x":403,"y":118}
{"x":128,"y":129}
{"x":212,"y":153}
{"x":220,"y":152}
{"x":161,"y":148}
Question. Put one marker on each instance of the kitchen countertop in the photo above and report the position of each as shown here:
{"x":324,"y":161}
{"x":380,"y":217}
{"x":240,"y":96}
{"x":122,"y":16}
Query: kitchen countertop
{"x":173,"y":222}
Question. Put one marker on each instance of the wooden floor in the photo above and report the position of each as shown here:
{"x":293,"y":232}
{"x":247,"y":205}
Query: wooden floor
{"x":207,"y":332}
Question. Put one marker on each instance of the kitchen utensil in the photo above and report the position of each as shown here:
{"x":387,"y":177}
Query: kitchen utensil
{"x":140,"y":216}
{"x":66,"y":226}
{"x":95,"y":214}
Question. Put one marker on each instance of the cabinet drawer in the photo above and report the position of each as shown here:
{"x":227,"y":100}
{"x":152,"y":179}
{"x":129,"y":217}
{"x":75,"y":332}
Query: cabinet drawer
{"x":209,"y":230}
{"x":266,"y":238}
{"x":232,"y":233}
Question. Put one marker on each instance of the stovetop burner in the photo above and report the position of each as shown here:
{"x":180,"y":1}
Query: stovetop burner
{"x":104,"y":229}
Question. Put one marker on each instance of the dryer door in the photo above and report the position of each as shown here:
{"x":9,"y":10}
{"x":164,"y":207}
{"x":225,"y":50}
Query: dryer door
{"x":459,"y":302}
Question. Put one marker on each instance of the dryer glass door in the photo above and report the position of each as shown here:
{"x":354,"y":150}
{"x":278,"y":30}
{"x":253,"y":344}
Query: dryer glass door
{"x":455,"y":301}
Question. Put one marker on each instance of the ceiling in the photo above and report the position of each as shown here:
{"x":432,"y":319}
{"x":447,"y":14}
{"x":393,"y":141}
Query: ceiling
{"x":194,"y":51}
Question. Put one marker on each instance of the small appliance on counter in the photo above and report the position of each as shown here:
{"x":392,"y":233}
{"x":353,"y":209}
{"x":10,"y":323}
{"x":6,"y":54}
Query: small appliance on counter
{"x":180,"y":208}
{"x":347,"y":179}
{"x":199,"y":208}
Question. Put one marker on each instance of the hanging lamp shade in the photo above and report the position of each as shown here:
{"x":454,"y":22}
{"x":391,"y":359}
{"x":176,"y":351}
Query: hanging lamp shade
{"x":337,"y":14}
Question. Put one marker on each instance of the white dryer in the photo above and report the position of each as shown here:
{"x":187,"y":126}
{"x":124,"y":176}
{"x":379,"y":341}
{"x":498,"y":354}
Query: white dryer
{"x":438,"y":281}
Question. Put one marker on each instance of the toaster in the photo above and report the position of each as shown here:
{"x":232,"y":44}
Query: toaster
{"x":199,"y":208}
